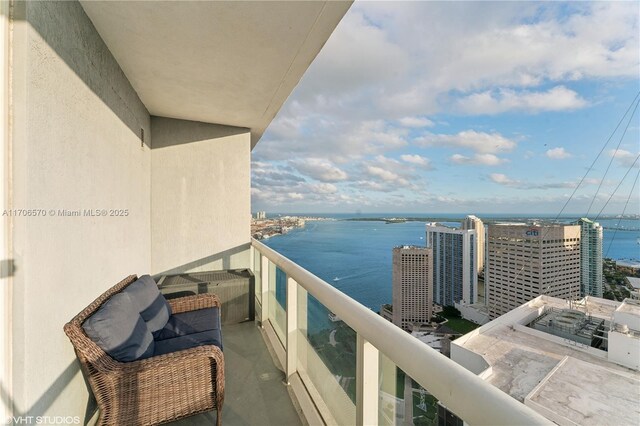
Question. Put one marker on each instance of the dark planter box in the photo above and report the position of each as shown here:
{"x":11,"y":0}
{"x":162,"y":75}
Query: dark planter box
{"x":235,"y":288}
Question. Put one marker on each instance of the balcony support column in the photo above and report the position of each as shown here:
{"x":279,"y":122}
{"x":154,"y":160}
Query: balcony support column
{"x":292,"y":326}
{"x":367,"y":385}
{"x":264,"y":281}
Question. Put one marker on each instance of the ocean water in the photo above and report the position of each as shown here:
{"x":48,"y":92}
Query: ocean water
{"x":355,"y":256}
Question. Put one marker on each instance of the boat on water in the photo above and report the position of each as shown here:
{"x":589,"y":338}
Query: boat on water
{"x":395,"y":220}
{"x":336,"y":279}
{"x":333,"y":317}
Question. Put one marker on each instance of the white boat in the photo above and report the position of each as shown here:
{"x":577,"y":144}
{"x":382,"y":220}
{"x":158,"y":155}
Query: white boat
{"x":333,"y":317}
{"x":336,"y":279}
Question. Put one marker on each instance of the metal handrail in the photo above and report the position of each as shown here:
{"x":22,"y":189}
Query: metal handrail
{"x":462,"y":392}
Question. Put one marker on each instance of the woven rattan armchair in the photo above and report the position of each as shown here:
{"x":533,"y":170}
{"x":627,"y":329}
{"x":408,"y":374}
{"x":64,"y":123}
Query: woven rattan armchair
{"x":154,"y":390}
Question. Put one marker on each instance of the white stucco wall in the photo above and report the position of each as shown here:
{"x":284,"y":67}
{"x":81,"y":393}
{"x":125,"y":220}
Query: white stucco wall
{"x":74,"y":145}
{"x":474,"y":313}
{"x":624,"y":349}
{"x":200,"y":196}
{"x":468,"y":359}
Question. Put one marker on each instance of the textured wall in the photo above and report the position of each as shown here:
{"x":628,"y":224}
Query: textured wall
{"x":200,"y":196}
{"x":75,"y":145}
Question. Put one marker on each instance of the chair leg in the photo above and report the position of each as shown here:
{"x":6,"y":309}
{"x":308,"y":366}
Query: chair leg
{"x":219,"y":417}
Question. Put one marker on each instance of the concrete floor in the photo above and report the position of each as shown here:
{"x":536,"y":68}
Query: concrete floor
{"x":255,"y":392}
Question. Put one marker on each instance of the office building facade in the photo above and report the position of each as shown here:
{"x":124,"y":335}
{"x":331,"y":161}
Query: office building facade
{"x":455,"y":277}
{"x":590,"y":258}
{"x":474,"y":222}
{"x":412,"y":286}
{"x":526,"y":261}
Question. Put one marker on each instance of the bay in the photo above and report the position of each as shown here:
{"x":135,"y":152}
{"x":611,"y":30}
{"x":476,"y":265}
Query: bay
{"x":355,"y":256}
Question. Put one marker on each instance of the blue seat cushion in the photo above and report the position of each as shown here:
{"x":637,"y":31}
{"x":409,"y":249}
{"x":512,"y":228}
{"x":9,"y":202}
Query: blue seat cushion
{"x":118,"y":328}
{"x":190,"y":322}
{"x":151,"y":304}
{"x":179,"y":343}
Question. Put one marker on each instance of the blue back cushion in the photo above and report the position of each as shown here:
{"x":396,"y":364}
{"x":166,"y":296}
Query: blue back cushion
{"x":151,"y":304}
{"x":188,"y":341}
{"x":119,"y":330}
{"x":190,"y":322}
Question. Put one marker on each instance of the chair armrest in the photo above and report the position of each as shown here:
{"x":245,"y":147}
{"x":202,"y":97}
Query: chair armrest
{"x":157,"y":364}
{"x":192,"y":303}
{"x":170,"y":360}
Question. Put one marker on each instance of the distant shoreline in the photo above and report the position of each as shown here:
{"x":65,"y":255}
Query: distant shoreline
{"x":484,"y":220}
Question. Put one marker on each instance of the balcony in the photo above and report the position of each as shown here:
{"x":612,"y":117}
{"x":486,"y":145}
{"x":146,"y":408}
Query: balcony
{"x":344,"y":371}
{"x":105,"y":113}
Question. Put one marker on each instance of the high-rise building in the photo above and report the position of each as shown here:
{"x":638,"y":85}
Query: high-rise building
{"x":455,"y":277}
{"x":525,"y":261}
{"x":474,"y":222}
{"x":590,"y":258}
{"x":261,"y":215}
{"x":412,"y":286}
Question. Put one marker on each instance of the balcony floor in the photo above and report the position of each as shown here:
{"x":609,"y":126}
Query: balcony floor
{"x":255,"y":392}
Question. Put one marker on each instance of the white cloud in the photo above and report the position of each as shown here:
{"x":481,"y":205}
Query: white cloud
{"x":416,"y":122}
{"x":357,"y":54}
{"x":385,"y":175}
{"x":324,"y":188}
{"x":625,"y":158}
{"x":338,"y":139}
{"x":591,"y":181}
{"x":319,"y":169}
{"x":415,"y":159}
{"x":558,"y":98}
{"x":391,"y":174}
{"x":295,"y":195}
{"x":480,"y":159}
{"x":558,"y":153}
{"x":504,"y":180}
{"x":388,"y":66}
{"x":480,"y":142}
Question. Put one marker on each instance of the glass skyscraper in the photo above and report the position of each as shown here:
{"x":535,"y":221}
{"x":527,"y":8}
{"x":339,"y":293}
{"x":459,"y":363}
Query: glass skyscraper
{"x":455,"y":277}
{"x":590,"y":258}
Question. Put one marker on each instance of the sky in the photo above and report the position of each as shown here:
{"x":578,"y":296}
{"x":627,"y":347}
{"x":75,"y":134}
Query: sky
{"x":462,"y":107}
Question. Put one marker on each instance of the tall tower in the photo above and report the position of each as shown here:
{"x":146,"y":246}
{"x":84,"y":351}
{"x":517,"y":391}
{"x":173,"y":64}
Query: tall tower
{"x":412,"y":286}
{"x":590,"y":258}
{"x":455,"y":276}
{"x":474,"y":222}
{"x":525,"y":261}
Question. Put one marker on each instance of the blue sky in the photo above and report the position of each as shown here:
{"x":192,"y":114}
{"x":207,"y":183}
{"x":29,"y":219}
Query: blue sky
{"x":480,"y":107}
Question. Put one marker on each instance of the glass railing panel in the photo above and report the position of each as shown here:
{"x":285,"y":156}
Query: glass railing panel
{"x":326,"y":359}
{"x":278,"y":301}
{"x":402,"y":401}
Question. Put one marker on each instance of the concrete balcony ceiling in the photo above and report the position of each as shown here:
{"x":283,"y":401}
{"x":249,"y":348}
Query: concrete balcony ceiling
{"x":232,"y":63}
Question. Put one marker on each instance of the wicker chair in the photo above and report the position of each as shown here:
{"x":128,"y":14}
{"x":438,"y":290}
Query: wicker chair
{"x":154,"y":390}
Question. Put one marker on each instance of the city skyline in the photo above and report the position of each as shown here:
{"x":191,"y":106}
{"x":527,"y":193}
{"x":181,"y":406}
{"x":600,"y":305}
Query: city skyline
{"x":500,"y":110}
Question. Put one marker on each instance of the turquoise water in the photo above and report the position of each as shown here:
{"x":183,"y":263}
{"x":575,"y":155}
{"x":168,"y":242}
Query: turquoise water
{"x":358,"y":253}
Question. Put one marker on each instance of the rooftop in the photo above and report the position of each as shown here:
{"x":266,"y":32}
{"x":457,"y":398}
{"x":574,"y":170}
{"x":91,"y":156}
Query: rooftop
{"x":635,"y":282}
{"x":407,"y":247}
{"x":562,"y":392}
{"x":567,"y":382}
{"x":630,"y":307}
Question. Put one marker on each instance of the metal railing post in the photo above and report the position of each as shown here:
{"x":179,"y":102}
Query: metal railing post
{"x":367,"y":386}
{"x":292,"y":326}
{"x":264,"y":281}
